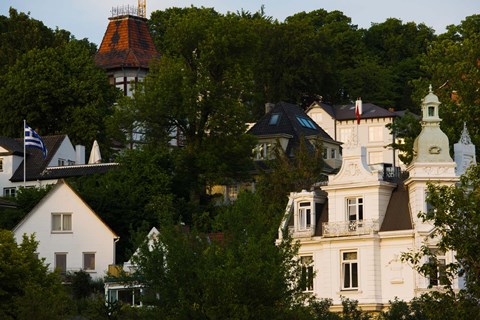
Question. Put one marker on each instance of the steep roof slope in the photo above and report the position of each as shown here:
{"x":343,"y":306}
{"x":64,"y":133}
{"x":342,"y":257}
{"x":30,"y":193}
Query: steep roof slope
{"x":127,"y":43}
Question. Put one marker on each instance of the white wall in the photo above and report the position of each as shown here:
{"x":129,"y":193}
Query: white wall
{"x":88,"y":234}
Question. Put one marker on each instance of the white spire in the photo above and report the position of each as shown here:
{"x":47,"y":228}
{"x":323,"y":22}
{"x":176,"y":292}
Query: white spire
{"x":95,"y":156}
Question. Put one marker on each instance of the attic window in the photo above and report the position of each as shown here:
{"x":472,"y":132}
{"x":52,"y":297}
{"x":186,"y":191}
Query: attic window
{"x":307,"y":123}
{"x":274,"y":119}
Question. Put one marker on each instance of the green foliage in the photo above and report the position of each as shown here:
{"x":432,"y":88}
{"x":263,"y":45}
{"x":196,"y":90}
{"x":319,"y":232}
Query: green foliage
{"x":242,"y":275}
{"x":286,"y":174}
{"x":59,"y":90}
{"x":133,"y":196}
{"x":405,"y":130}
{"x":451,"y":65}
{"x":27,"y":289}
{"x":25,"y":200}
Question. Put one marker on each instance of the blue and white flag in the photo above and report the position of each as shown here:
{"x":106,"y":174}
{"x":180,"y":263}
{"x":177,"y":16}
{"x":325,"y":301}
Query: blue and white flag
{"x":32,"y":139}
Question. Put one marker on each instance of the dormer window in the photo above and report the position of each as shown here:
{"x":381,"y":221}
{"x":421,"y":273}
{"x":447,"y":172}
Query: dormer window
{"x":304,"y":215}
{"x":274,"y":119}
{"x":307,"y":123}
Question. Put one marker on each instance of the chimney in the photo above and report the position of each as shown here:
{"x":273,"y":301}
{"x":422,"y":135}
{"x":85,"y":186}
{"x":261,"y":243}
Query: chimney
{"x":79,"y":154}
{"x":359,"y":105}
{"x":269,"y":107}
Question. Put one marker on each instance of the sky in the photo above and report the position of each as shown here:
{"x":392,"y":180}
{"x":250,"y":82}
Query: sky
{"x":89,"y":18}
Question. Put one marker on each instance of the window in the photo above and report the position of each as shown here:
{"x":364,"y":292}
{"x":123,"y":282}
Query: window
{"x":61,"y":262}
{"x":375,"y":157}
{"x":9,"y":192}
{"x":88,"y":261}
{"x":274,"y":119}
{"x":307,"y":123}
{"x":325,"y":153}
{"x":304,"y":215}
{"x":307,"y":273}
{"x":71,"y":162}
{"x":61,"y":162}
{"x":263,"y":151}
{"x":232,"y":192}
{"x":431,"y":111}
{"x":1,"y":164}
{"x":349,"y":270}
{"x":333,"y":153}
{"x":375,"y":133}
{"x":438,"y":270}
{"x":345,"y":134}
{"x":61,"y":222}
{"x":355,"y":209}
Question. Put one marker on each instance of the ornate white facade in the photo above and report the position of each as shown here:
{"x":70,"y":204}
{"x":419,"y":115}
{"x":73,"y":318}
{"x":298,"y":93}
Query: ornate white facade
{"x":353,"y":230}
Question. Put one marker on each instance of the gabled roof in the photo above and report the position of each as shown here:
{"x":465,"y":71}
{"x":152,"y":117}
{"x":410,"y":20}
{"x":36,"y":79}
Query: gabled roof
{"x":35,"y":162}
{"x":287,"y":123}
{"x":37,"y":167}
{"x":127,"y":43}
{"x":13,"y":146}
{"x":347,"y":111}
{"x":51,"y":193}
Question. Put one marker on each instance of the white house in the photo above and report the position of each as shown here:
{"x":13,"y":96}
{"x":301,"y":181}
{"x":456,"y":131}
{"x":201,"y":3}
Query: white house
{"x":71,"y":235}
{"x":353,"y":230}
{"x":341,"y":123}
{"x":63,"y":161}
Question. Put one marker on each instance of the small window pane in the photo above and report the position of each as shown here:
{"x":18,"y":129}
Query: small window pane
{"x":67,"y":222}
{"x":61,"y":262}
{"x":89,"y":261}
{"x":56,"y":222}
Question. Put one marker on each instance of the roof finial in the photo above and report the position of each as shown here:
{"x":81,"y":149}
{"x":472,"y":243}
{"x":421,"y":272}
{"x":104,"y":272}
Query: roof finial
{"x":430,"y":89}
{"x":465,"y":137}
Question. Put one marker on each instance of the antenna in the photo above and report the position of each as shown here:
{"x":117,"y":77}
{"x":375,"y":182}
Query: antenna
{"x":142,"y":8}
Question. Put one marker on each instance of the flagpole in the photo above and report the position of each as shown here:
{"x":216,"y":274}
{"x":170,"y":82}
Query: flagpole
{"x":24,"y":156}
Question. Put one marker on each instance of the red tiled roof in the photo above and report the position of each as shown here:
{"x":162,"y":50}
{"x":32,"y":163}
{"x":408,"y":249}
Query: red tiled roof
{"x":127,"y":43}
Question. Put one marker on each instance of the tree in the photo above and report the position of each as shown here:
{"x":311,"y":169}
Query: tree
{"x":405,"y":130}
{"x":451,"y":65}
{"x":197,"y":91}
{"x":59,"y":90}
{"x":27,"y":289}
{"x":455,"y":217}
{"x":132,"y":197}
{"x":241,"y":275}
{"x":286,"y":174}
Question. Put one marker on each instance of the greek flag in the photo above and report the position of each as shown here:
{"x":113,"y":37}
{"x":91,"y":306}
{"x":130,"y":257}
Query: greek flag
{"x":32,"y":139}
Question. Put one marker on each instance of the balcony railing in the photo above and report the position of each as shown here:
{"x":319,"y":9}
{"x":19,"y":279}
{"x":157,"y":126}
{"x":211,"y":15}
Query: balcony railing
{"x":349,"y":228}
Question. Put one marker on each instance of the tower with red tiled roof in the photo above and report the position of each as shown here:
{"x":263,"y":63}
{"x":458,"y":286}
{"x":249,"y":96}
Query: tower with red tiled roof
{"x":127,"y":48}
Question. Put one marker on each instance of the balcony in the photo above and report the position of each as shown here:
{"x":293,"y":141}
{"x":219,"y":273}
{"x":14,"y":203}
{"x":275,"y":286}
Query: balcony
{"x":349,"y":228}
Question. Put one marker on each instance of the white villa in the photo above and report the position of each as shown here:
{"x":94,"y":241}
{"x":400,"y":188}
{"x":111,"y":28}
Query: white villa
{"x":353,"y":229}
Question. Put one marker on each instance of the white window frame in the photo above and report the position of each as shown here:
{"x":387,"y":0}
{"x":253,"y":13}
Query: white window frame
{"x":441,"y":263}
{"x":350,"y":271}
{"x":263,"y":151}
{"x":354,"y":208}
{"x":304,"y":209}
{"x":85,"y":260}
{"x":64,"y":225}
{"x":375,"y":133}
{"x":10,"y":192}
{"x":307,"y":265}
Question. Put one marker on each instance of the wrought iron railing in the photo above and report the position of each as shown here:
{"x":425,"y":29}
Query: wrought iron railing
{"x":349,"y":228}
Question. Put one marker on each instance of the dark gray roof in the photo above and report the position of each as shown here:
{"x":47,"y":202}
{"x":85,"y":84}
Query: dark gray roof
{"x":37,"y":166}
{"x":35,"y":162}
{"x":77,"y":170}
{"x":12,"y":145}
{"x":398,"y":215}
{"x":347,"y":112}
{"x":287,"y":123}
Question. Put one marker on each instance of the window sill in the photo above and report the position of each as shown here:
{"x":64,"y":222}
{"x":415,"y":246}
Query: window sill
{"x":349,"y":291}
{"x":61,"y":232}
